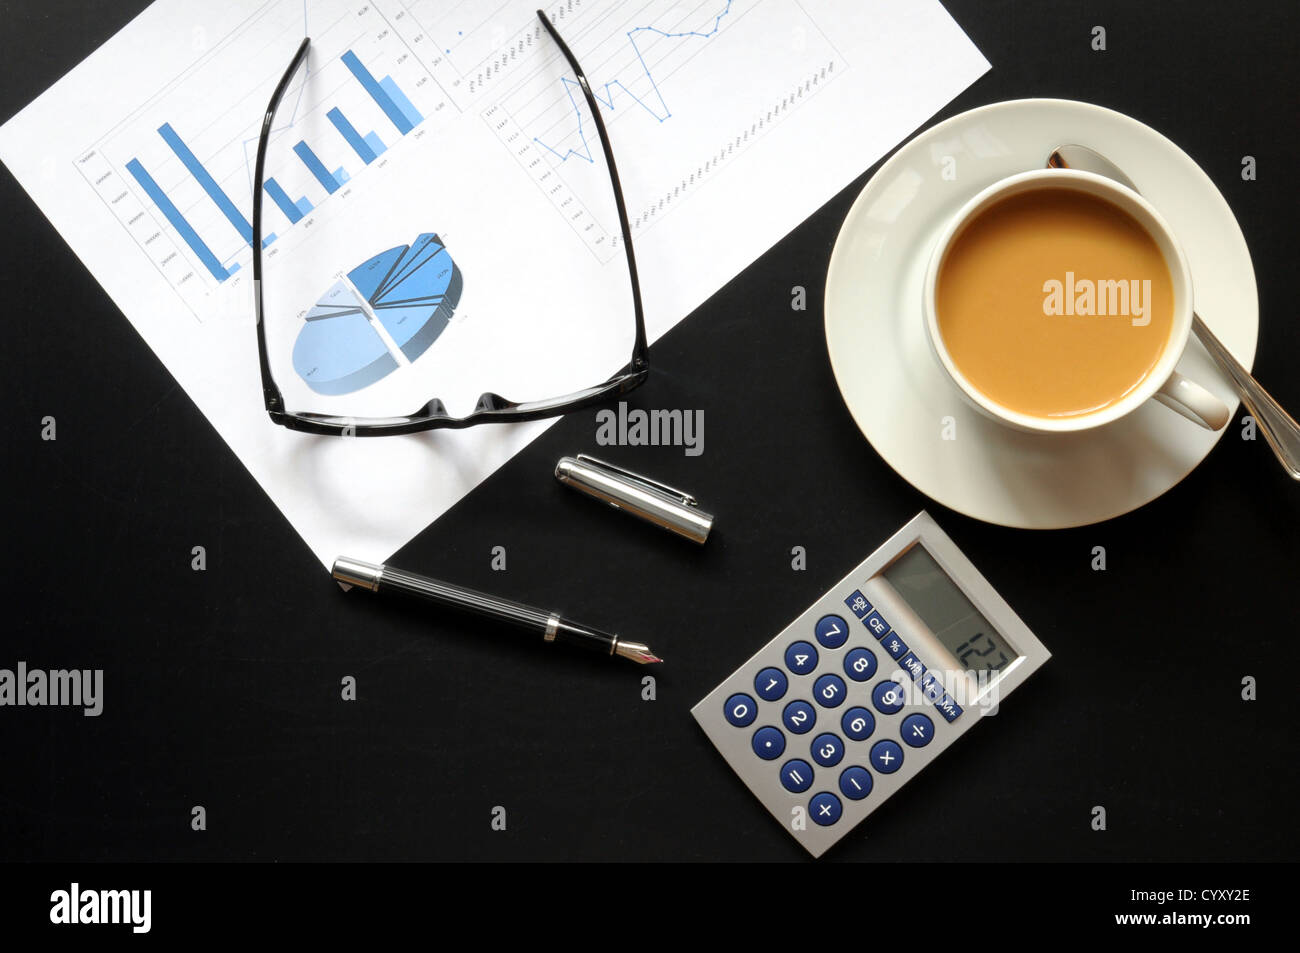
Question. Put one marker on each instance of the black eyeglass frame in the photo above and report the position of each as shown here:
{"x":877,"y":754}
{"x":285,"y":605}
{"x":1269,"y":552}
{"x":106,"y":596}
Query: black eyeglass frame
{"x":491,"y":408}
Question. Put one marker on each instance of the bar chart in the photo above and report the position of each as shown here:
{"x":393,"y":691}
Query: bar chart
{"x":179,"y":175}
{"x":386,"y":93}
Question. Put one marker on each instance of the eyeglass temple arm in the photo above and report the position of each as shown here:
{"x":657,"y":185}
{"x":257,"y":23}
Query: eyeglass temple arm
{"x":270,"y":392}
{"x":640,"y":350}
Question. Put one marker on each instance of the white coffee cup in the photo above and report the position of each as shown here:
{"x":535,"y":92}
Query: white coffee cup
{"x":1162,"y":382}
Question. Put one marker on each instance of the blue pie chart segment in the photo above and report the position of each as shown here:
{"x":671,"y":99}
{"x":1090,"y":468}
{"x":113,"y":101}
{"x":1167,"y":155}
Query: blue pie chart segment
{"x":416,"y":308}
{"x":337,"y":351}
{"x":369,"y":276}
{"x":408,"y":261}
{"x":411,"y":291}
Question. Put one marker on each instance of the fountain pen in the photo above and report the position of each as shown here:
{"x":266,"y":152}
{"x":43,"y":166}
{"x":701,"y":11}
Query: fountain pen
{"x":550,"y":625}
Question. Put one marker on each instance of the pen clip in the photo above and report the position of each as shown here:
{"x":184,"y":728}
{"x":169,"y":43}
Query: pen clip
{"x":645,"y":482}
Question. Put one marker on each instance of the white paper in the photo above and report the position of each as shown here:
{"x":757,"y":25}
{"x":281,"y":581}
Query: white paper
{"x":732,"y":121}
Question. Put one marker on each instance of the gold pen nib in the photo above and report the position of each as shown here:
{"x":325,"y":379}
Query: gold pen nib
{"x":636,"y":651}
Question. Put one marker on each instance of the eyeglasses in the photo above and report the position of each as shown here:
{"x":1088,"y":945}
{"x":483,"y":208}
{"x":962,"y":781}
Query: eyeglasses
{"x":490,"y":408}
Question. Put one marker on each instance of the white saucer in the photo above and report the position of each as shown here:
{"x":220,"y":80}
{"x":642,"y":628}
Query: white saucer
{"x":899,"y":396}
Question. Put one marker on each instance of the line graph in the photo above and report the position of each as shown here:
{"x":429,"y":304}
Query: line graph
{"x":663,"y":114}
{"x":661,"y":72}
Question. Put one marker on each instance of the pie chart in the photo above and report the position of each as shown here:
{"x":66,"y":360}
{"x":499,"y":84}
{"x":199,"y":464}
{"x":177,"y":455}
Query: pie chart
{"x":385,"y":313}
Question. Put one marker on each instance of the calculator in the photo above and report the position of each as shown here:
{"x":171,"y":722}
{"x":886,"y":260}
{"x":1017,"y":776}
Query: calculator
{"x":869,"y":685}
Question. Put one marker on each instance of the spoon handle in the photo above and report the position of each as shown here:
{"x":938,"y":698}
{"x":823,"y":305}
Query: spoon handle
{"x":1279,"y":429}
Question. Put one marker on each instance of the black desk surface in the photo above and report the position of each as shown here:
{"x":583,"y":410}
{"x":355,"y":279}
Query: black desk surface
{"x":222,"y":688}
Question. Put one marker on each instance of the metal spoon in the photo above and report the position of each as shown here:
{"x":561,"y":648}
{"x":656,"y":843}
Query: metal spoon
{"x":1279,"y":429}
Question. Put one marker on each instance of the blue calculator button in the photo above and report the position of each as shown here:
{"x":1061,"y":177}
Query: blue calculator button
{"x":887,"y":697}
{"x":796,"y":776}
{"x":876,"y":623}
{"x":770,"y":684}
{"x":911,"y":664}
{"x":858,"y":723}
{"x":895,"y":646}
{"x":829,"y":691}
{"x":858,"y":604}
{"x":741,"y":710}
{"x":799,"y":717}
{"x":855,"y":783}
{"x":918,"y":729}
{"x":948,"y":708}
{"x":825,"y":809}
{"x":931,"y":688}
{"x":827,"y":750}
{"x":859,"y":664}
{"x":832,"y":631}
{"x":769,"y":743}
{"x":887,"y":756}
{"x":801,"y":658}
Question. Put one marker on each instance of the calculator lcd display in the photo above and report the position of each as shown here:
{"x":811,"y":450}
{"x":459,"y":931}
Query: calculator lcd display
{"x":944,"y":608}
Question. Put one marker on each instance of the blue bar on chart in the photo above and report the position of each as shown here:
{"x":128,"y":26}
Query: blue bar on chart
{"x":291,"y":211}
{"x":377,"y":92}
{"x":205,"y":179}
{"x":376,"y":144}
{"x":177,"y":220}
{"x":341,"y":176}
{"x":233,"y":267}
{"x":316,"y":167}
{"x":405,"y":105}
{"x":304,"y":205}
{"x":268,"y":239}
{"x":358,"y":142}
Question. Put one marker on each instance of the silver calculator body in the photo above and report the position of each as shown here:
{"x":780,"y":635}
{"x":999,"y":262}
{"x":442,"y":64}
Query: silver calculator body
{"x":869,"y":684}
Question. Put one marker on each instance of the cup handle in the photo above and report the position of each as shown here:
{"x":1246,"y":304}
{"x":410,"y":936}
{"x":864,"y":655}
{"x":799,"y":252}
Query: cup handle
{"x":1193,"y":401}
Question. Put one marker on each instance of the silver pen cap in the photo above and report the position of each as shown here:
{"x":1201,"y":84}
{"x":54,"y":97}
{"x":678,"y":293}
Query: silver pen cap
{"x":350,"y":572}
{"x":639,"y":495}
